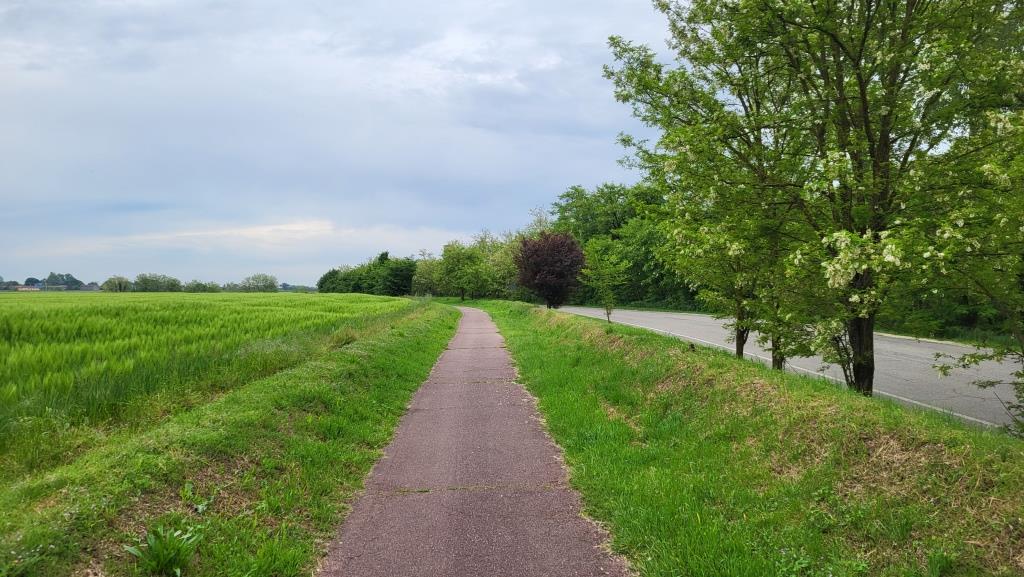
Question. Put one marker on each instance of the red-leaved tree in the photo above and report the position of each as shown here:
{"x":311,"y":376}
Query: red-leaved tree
{"x":549,"y":265}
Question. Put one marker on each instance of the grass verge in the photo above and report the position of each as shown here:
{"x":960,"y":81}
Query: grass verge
{"x":251,"y":483}
{"x":700,"y":464}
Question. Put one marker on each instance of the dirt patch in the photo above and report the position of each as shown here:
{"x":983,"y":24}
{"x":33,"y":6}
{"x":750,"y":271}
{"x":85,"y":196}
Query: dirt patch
{"x":615,"y":414}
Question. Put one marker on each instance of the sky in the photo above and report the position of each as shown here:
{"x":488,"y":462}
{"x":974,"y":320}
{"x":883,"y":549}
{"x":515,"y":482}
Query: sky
{"x":216,"y":139}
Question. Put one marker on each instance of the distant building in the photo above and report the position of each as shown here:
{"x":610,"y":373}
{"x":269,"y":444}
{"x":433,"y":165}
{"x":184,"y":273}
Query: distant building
{"x":24,"y":288}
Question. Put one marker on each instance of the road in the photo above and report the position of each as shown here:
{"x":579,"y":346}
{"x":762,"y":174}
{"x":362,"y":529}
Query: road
{"x":903,"y":366}
{"x":471,"y":484}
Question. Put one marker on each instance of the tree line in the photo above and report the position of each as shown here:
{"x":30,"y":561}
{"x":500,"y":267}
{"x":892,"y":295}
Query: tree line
{"x":154,"y":282}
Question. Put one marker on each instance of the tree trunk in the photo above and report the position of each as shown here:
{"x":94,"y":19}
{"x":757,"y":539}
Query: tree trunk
{"x":778,"y":359}
{"x":741,"y":341}
{"x":462,"y":294}
{"x":861,"y":331}
{"x":741,"y":332}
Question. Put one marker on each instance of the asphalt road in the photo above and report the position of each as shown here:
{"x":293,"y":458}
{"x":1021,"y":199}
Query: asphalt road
{"x":903,"y":366}
{"x":471,"y":485}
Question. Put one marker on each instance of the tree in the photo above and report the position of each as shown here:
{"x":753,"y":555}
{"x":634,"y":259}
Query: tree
{"x":631,"y":217}
{"x":259,"y":283}
{"x":381,"y":275}
{"x":153,"y":282}
{"x":874,"y":96}
{"x":604,"y":271}
{"x":117,"y":284}
{"x":426,"y":279}
{"x":549,"y":265}
{"x":461,"y":270}
{"x":981,"y":247}
{"x":587,"y":214}
{"x":197,"y":286}
{"x":32,"y":281}
{"x":64,"y":279}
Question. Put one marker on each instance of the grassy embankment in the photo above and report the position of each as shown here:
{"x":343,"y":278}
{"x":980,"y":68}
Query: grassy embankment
{"x":700,"y":464}
{"x":249,"y":420}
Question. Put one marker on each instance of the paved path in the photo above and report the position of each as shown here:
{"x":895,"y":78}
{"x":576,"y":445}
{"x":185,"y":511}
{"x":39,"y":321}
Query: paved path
{"x":471,"y":485}
{"x":903,"y":366}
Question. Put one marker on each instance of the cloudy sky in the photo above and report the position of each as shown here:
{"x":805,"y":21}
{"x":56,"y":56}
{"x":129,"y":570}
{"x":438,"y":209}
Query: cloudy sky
{"x":212,"y":139}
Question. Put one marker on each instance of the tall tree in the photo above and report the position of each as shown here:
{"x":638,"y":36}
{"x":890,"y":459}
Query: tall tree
{"x":873,"y":92}
{"x":462,"y":270}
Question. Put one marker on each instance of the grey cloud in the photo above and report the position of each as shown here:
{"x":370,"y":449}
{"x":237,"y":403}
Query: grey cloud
{"x":147,"y":116}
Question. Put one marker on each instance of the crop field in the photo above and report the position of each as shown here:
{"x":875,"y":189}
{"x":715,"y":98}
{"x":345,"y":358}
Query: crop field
{"x":76,"y":364}
{"x":235,"y":426}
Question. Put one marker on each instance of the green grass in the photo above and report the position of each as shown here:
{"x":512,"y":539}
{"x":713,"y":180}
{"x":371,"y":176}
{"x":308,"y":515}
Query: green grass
{"x":703,"y":465}
{"x":259,"y":473}
{"x":77,"y":366}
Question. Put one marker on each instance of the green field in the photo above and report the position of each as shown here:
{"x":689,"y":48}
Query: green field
{"x":700,"y":464}
{"x":76,"y":365}
{"x":249,"y":420}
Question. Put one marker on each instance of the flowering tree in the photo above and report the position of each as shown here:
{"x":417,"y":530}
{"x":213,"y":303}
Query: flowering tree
{"x":835,"y":117}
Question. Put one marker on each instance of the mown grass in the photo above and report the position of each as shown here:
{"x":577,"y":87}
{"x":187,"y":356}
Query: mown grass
{"x":262,"y":472}
{"x":700,"y":464}
{"x":77,"y":366}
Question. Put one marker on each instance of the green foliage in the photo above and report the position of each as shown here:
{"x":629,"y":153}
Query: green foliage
{"x":819,"y":149}
{"x":632,"y":217}
{"x":117,"y":284}
{"x":166,"y":552}
{"x":63,"y":279}
{"x":382,"y":275}
{"x":605,"y":270}
{"x":198,"y":286}
{"x":462,"y":271}
{"x":259,"y":283}
{"x":153,"y":283}
{"x":426,"y":280}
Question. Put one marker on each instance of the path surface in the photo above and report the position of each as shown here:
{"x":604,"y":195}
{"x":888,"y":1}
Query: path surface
{"x":903,"y":366}
{"x":471,"y":485}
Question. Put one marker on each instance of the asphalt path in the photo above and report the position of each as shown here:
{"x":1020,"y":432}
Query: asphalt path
{"x":904,"y":366}
{"x":471,"y":485}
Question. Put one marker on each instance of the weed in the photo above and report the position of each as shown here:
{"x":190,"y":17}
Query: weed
{"x":166,"y":552}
